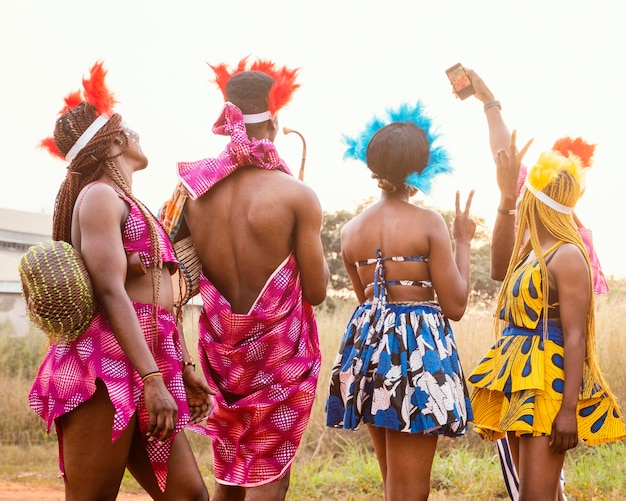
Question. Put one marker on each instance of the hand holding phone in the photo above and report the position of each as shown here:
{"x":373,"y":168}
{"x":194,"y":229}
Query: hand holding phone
{"x":461,"y":83}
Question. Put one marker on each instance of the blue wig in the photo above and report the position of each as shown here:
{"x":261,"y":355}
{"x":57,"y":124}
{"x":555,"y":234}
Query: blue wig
{"x":438,"y":159}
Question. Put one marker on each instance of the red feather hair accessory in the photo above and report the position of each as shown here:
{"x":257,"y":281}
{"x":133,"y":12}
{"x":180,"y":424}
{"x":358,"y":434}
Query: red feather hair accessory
{"x":95,"y":92}
{"x":576,"y":146}
{"x":284,"y":79}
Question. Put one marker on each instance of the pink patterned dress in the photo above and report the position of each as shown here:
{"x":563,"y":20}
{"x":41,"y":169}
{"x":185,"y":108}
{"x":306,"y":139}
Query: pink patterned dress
{"x":264,"y":367}
{"x":67,"y":376}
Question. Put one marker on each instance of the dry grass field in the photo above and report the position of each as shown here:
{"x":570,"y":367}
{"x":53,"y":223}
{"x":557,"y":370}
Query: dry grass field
{"x":332,"y":465}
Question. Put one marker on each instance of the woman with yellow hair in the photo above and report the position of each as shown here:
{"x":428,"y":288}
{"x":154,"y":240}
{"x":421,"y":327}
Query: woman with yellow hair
{"x":540,"y":384}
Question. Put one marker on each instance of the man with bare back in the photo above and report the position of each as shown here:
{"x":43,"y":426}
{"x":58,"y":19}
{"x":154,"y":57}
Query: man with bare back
{"x":256,"y":229}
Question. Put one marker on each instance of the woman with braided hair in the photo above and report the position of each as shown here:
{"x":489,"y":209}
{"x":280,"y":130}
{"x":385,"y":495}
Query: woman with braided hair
{"x":121,"y":393}
{"x":540,"y":384}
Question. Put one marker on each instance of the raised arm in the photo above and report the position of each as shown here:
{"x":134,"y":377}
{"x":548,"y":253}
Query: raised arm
{"x":452,"y":281}
{"x":508,"y":163}
{"x":499,"y":135}
{"x":501,"y":141}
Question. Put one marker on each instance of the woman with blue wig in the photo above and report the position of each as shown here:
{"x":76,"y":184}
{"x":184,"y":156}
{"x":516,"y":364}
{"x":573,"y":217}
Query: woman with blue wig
{"x":397,"y":370}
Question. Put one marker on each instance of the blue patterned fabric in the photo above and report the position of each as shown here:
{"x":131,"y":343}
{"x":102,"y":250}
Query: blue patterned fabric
{"x":398,"y":368}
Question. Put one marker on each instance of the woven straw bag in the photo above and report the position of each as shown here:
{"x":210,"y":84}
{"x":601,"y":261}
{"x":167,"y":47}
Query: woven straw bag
{"x":57,"y":290}
{"x":171,"y":215}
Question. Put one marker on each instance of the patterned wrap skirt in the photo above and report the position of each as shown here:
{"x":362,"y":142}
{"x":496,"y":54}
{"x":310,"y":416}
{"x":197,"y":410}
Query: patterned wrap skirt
{"x":398,"y":368}
{"x":518,"y":387}
{"x":68,"y":373}
{"x":263,"y":366}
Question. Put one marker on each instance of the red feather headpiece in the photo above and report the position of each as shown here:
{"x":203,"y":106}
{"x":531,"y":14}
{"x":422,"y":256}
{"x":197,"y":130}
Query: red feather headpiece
{"x":95,"y":92}
{"x":284,"y":79}
{"x":576,"y":146}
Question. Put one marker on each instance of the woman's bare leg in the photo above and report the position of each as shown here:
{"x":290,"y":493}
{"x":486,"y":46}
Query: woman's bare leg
{"x":405,"y":461}
{"x":378,"y":435}
{"x":184,"y":480}
{"x":539,"y":470}
{"x":94,"y":466}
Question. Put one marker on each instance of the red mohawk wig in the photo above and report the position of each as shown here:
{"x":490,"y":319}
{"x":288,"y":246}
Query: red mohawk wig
{"x":284,"y":79}
{"x":95,"y":93}
{"x":576,"y":146}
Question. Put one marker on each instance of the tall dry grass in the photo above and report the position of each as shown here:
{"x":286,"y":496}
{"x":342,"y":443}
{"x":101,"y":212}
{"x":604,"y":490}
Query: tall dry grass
{"x":338,"y":464}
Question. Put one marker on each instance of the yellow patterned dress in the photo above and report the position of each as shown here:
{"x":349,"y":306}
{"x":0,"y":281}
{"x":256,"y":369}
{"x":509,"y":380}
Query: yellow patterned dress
{"x":518,"y":386}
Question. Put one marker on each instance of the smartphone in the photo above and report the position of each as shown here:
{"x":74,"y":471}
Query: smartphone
{"x":461,"y":83}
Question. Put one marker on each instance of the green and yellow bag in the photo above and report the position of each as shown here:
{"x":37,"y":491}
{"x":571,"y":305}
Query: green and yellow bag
{"x":57,"y":290}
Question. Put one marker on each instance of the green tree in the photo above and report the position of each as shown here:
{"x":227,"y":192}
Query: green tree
{"x":331,"y":240}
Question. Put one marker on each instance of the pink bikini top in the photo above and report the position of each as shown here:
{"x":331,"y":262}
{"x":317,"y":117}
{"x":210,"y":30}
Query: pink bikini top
{"x":136,"y":235}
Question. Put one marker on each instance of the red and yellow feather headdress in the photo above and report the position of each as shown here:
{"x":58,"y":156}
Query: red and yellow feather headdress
{"x":573,"y":155}
{"x":96,"y":93}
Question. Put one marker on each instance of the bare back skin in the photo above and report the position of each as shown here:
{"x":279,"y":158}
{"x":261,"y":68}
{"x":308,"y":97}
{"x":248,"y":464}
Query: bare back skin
{"x":399,"y":228}
{"x":243,"y":230}
{"x":248,"y":224}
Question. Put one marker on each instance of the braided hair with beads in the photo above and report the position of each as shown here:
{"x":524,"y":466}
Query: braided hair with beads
{"x":83,"y":133}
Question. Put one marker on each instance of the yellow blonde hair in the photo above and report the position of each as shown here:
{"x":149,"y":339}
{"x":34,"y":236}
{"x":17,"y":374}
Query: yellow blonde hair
{"x":561,"y":179}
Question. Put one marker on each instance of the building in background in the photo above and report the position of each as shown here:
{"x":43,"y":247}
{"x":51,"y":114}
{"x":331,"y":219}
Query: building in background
{"x":18,"y":231}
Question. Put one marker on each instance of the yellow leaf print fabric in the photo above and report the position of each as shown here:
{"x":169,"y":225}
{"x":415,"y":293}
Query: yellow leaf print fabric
{"x":518,"y":386}
{"x":524,"y":301}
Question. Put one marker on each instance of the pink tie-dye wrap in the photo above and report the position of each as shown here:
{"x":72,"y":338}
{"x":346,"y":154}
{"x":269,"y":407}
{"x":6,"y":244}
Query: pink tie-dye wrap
{"x":264,"y":367}
{"x":68,"y":373}
{"x":600,"y":285}
{"x":200,"y":176}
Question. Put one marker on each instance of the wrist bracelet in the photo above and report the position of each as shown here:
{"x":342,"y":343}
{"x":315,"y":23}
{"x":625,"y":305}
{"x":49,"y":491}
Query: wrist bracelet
{"x":151,"y":374}
{"x":189,"y":364}
{"x":492,"y":104}
{"x":507,"y":212}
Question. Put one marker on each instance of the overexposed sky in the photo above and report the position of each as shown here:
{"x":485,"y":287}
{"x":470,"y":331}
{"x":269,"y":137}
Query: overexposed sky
{"x":555,"y":65}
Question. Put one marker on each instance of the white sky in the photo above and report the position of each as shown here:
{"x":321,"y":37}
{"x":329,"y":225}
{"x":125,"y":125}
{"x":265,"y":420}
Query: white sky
{"x":555,"y":65}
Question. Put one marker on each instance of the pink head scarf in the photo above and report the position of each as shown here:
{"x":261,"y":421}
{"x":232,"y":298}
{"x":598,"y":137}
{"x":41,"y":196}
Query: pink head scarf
{"x":200,"y":176}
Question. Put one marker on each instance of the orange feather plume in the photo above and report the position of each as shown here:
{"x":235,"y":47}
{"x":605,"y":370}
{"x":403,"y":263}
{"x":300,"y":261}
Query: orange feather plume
{"x":222,"y":75}
{"x":284,"y":79}
{"x":72,"y":100}
{"x":48,"y":144}
{"x":576,"y":146}
{"x":96,"y":92}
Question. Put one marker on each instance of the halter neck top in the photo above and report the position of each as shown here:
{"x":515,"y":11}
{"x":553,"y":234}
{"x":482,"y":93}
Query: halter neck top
{"x":380,"y":283}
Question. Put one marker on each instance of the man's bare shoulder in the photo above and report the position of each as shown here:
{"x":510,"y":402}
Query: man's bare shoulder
{"x":286,"y":187}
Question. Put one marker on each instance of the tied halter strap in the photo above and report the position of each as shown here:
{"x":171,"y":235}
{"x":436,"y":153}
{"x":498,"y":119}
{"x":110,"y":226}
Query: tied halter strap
{"x":380,"y":283}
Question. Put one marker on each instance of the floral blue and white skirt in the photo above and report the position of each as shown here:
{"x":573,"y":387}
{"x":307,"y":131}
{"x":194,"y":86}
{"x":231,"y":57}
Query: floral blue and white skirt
{"x":398,"y":368}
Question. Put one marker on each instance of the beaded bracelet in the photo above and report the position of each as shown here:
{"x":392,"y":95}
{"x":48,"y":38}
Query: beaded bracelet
{"x":492,"y":104}
{"x":507,"y":212}
{"x":189,"y":364}
{"x":151,"y":374}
